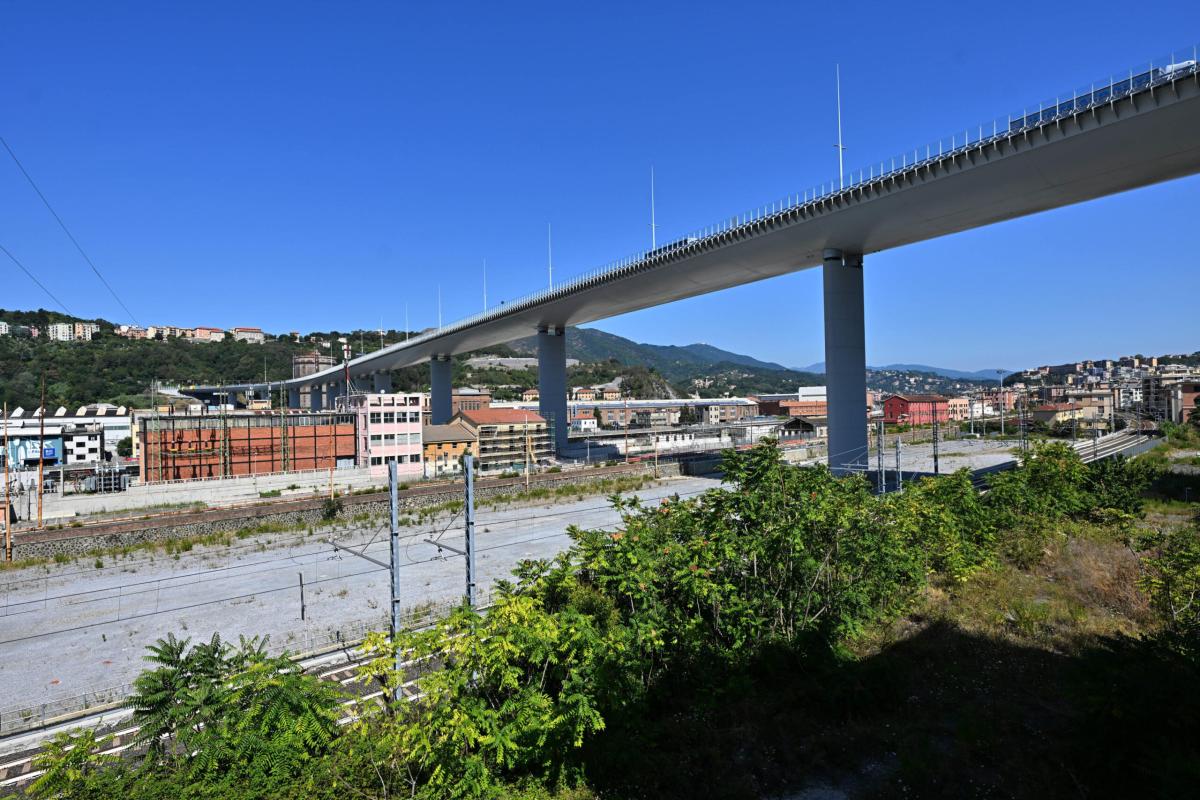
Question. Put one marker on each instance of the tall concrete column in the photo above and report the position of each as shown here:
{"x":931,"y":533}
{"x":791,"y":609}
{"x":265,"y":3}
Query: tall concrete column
{"x":845,"y":361}
{"x":332,"y":390}
{"x":316,"y":397}
{"x":293,"y":397}
{"x":381,"y":382}
{"x":441,"y":405}
{"x":552,"y":383}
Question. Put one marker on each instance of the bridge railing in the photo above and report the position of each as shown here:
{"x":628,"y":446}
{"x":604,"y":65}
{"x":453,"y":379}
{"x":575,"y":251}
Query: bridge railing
{"x":1116,"y":86}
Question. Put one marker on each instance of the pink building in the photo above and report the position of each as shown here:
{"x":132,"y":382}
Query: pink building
{"x":389,"y":429}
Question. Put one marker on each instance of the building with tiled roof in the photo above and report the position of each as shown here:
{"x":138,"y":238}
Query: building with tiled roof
{"x":507,"y":439}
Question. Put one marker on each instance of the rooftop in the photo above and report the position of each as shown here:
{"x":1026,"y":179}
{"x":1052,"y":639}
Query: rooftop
{"x":501,"y":416}
{"x":446,"y":433}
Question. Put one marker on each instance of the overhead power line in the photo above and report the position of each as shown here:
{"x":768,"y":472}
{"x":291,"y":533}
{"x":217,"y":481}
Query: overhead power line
{"x":33,"y":278}
{"x":67,"y":231}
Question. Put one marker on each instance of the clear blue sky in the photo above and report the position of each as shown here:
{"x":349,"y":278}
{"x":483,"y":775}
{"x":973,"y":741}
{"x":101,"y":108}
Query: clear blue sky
{"x":318,"y":165}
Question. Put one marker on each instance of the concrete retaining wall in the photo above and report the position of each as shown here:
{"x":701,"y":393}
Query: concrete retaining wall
{"x":215,"y":492}
{"x":294,"y":515}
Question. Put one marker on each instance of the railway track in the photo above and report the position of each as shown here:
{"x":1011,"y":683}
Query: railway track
{"x":17,"y":767}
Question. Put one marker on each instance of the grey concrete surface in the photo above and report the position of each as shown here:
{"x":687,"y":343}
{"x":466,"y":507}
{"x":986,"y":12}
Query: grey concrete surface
{"x":215,"y":492}
{"x":71,"y":628}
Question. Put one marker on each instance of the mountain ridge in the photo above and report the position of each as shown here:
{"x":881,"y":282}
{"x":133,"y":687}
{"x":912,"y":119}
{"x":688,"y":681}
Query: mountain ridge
{"x":946,"y":372}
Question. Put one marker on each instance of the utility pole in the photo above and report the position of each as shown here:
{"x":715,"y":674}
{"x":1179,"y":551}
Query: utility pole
{"x":41,"y":449}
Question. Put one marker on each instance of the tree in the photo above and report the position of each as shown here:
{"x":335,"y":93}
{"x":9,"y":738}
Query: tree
{"x":125,"y":447}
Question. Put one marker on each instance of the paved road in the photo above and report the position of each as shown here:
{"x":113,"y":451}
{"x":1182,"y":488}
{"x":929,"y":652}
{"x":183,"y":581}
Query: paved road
{"x":70,"y":628}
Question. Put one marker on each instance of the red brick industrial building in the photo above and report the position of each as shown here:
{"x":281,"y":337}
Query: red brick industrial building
{"x":916,"y":409}
{"x":213,"y":446}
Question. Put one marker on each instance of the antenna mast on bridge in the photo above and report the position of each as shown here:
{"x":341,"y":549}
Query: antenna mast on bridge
{"x":840,"y":147}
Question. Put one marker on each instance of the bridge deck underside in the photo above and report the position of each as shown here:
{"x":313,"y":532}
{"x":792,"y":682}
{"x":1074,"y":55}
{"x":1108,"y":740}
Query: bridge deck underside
{"x":1138,"y":141}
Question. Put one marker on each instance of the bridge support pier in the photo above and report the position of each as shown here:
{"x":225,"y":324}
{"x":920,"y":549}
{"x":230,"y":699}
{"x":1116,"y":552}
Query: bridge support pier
{"x":316,"y":397}
{"x":845,"y":361}
{"x":381,"y":382}
{"x":441,"y":405}
{"x":552,"y":383}
{"x":332,"y":390}
{"x":293,"y":398}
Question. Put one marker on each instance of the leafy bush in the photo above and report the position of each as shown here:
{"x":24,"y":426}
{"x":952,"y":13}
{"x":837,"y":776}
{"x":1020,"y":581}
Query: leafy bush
{"x":786,"y":563}
{"x":331,"y":508}
{"x":1172,"y":581}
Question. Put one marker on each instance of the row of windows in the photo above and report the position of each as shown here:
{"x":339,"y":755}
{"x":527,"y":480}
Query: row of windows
{"x":395,"y":438}
{"x":377,"y":461}
{"x":390,"y":401}
{"x":390,"y":417}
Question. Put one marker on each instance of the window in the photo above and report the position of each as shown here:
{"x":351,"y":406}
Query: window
{"x":376,"y":438}
{"x":388,"y":418}
{"x":375,"y":417}
{"x":376,"y":461}
{"x":389,"y":438}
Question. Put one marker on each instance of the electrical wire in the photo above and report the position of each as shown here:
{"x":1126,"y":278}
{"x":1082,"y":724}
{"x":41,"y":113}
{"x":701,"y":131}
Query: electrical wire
{"x":126,"y":591}
{"x":33,"y":278}
{"x":185,"y":607}
{"x":63,"y":225}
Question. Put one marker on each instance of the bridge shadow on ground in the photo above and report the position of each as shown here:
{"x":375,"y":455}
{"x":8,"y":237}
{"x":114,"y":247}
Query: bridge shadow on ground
{"x":943,"y":713}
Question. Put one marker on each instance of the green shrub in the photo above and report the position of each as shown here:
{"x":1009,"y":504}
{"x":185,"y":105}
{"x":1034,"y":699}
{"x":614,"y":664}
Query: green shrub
{"x":331,"y":508}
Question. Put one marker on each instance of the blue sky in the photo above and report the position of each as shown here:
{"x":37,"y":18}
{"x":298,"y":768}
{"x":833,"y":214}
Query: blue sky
{"x":320,"y":165}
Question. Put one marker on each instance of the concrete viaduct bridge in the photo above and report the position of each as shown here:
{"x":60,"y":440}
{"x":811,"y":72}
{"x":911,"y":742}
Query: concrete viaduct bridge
{"x":1139,"y":128}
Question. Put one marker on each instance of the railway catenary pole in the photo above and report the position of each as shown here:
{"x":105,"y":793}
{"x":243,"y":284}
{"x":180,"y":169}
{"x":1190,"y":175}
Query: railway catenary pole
{"x":469,"y":513}
{"x":936,"y":469}
{"x":880,"y":483}
{"x":41,"y":449}
{"x":899,"y":473}
{"x":392,"y":565}
{"x":394,"y":559}
{"x":8,"y":550}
